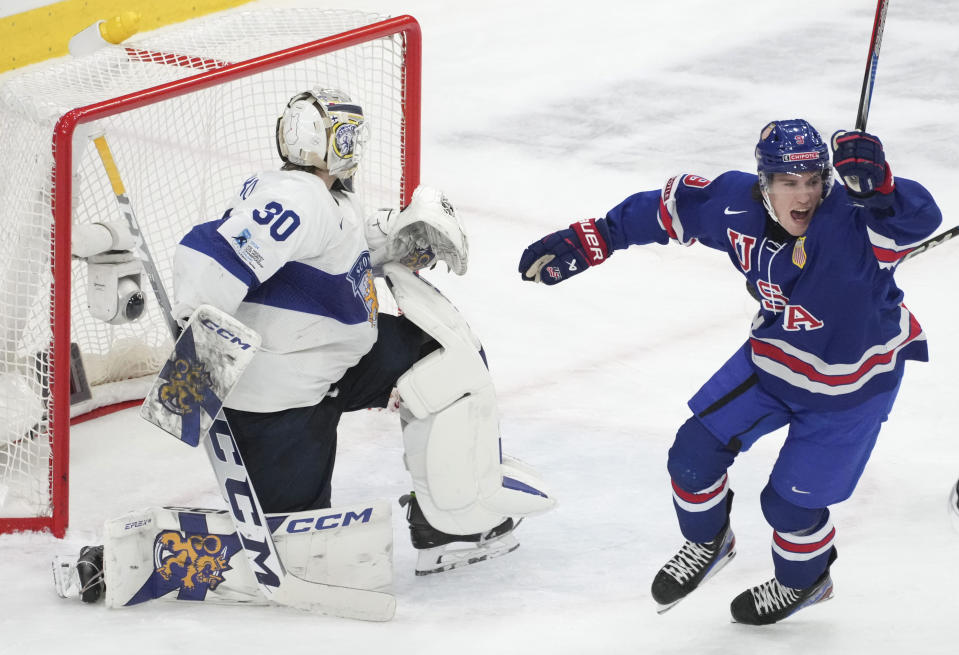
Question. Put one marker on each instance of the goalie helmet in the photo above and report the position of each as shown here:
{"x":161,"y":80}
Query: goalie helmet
{"x":791,"y":146}
{"x":322,"y":128}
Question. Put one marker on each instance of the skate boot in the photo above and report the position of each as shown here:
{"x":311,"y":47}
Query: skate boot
{"x":691,"y":566}
{"x":81,"y":577}
{"x":772,"y":601}
{"x":90,"y":573}
{"x":439,"y":551}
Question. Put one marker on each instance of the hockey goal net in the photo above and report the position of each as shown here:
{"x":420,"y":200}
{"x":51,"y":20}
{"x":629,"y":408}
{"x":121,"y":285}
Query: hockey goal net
{"x":189,"y":112}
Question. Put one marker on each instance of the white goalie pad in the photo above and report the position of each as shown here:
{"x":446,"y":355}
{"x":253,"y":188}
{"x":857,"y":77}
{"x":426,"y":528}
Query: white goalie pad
{"x":194,"y":554}
{"x":451,"y":424}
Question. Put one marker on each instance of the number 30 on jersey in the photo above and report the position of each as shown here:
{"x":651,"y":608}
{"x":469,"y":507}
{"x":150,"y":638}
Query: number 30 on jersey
{"x":282,"y":222}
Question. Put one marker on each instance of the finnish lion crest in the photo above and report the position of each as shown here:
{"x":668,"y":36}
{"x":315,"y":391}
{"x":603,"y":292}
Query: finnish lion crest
{"x":186,"y":387}
{"x":360,"y":277}
{"x":193,"y":562}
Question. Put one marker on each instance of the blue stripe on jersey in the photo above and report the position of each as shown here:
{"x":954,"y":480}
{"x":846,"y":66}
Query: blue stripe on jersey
{"x":204,"y":238}
{"x":302,"y":288}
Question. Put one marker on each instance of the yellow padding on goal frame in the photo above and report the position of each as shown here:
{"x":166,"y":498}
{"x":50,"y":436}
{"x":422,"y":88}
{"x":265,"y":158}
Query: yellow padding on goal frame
{"x":43,"y":33}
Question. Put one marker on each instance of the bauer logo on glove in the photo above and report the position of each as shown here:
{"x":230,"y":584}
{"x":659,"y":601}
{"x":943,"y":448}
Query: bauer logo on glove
{"x":565,"y":253}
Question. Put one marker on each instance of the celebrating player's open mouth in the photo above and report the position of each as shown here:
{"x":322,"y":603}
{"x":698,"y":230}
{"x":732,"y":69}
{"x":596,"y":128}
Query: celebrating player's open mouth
{"x":794,"y":198}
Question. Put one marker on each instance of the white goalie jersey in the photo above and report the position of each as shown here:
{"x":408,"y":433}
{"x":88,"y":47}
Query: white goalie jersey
{"x":290,"y":260}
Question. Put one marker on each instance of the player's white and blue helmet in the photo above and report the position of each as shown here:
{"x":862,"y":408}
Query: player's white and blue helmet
{"x":791,"y":146}
{"x":325,"y":129}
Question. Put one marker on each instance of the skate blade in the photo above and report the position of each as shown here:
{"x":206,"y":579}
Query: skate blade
{"x":438,"y":560}
{"x":662,"y":609}
{"x":65,"y":578}
{"x":827,"y":595}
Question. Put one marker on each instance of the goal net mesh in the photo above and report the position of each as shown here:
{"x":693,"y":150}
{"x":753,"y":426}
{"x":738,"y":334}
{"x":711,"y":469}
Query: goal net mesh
{"x":181,"y":158}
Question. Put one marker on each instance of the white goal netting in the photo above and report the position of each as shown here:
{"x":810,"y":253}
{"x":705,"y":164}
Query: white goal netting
{"x":183,"y":151}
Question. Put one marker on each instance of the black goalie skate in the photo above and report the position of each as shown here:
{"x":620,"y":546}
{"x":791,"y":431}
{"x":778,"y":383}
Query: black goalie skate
{"x":439,"y":551}
{"x":771,"y":601}
{"x":82,"y":577}
{"x":691,"y":566}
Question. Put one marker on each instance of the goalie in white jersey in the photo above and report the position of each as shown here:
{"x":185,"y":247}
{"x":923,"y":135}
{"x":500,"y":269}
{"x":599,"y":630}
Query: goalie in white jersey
{"x":294,"y":258}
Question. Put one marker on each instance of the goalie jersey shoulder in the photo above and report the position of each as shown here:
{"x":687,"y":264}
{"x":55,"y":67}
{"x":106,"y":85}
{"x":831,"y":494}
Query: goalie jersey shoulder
{"x":283,"y":216}
{"x":279,"y":218}
{"x":289,"y":260}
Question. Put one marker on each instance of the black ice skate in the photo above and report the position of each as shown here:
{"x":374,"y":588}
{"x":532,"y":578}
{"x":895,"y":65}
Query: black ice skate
{"x":771,"y":601}
{"x":80,"y":578}
{"x":439,"y":551}
{"x":694,"y":564}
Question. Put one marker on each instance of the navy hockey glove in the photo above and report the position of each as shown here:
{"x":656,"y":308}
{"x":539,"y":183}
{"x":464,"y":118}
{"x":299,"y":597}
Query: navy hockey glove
{"x":861,"y":163}
{"x":565,"y":253}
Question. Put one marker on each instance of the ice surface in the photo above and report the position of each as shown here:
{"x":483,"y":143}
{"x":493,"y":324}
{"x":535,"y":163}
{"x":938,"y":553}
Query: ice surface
{"x":535,"y":114}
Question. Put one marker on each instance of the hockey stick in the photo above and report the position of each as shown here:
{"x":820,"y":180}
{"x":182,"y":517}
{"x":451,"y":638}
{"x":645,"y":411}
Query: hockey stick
{"x":274,"y":581}
{"x":865,"y":101}
{"x":931,"y":242}
{"x":143,"y":252}
{"x":872,"y":62}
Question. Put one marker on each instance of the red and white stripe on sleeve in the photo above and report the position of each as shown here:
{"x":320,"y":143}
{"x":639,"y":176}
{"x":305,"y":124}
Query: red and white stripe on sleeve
{"x":888,"y":252}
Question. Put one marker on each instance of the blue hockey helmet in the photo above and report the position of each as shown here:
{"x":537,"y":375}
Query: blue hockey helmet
{"x":791,"y":146}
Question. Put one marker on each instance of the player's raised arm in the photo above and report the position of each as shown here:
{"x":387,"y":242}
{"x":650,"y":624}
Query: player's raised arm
{"x":899,"y":212}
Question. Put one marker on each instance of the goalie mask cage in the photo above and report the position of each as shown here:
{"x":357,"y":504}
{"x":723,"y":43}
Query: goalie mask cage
{"x":189,"y":112}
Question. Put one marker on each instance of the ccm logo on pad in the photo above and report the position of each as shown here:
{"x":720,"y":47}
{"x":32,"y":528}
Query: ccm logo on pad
{"x":312,"y":523}
{"x":223,"y":332}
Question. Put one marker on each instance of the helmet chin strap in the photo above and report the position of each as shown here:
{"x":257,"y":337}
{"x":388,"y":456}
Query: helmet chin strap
{"x":769,"y":205}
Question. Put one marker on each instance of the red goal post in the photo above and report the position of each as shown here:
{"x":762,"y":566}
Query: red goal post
{"x":189,"y":112}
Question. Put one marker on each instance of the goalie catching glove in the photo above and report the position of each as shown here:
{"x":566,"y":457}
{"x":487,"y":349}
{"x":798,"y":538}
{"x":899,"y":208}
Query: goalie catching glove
{"x":426,"y":231}
{"x":565,"y":253}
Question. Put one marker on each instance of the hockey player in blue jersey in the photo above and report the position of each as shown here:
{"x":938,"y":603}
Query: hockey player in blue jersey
{"x":824,"y":357}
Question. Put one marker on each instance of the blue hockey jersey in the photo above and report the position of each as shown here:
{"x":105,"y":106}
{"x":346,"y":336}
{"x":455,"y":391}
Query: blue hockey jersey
{"x":831,"y":330}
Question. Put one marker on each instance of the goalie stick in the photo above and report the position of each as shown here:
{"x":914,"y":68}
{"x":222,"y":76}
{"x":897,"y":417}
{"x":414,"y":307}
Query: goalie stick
{"x":275,"y":582}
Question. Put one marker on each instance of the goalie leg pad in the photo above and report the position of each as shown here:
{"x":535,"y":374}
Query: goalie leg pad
{"x":451,"y":423}
{"x":195,"y":554}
